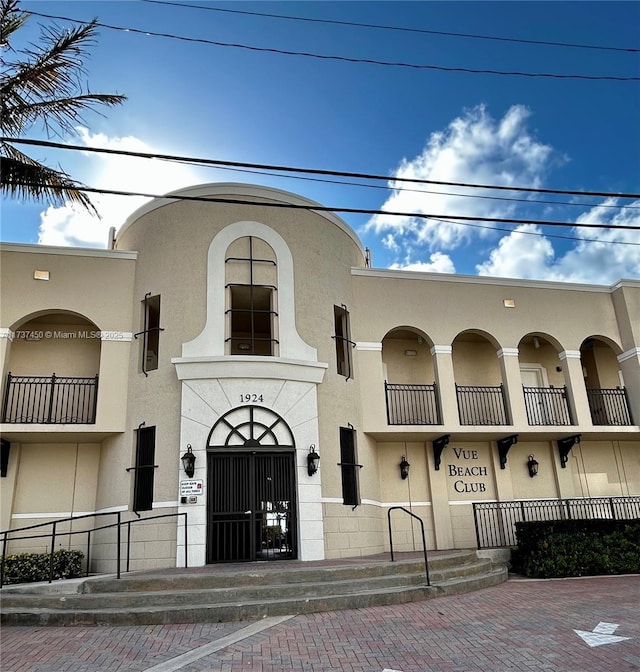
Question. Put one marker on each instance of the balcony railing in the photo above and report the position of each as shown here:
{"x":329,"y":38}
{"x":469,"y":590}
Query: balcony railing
{"x":412,"y":404}
{"x":609,"y":406}
{"x":481,"y":405}
{"x":50,"y":400}
{"x":547,"y":406}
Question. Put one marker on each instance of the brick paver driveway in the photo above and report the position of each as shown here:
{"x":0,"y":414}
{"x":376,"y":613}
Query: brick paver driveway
{"x":519,"y":625}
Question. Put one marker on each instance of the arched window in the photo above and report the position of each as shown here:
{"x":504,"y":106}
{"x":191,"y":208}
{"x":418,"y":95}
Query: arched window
{"x":251,"y":284}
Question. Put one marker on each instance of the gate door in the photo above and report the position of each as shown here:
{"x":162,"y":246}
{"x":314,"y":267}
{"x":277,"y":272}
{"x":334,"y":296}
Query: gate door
{"x":251,"y":490}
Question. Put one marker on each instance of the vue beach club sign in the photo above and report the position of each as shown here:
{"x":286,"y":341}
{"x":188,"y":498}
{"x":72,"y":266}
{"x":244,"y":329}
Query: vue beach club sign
{"x":467,"y":472}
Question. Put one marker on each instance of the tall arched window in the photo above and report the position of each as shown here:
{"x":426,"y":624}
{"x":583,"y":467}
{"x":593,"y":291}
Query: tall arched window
{"x":251,"y":284}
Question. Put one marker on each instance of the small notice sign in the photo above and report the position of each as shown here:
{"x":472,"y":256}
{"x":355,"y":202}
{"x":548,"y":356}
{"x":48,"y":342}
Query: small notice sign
{"x":192,"y":487}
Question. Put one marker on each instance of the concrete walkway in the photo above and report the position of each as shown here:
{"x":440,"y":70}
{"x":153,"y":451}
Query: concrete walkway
{"x":562,"y":625}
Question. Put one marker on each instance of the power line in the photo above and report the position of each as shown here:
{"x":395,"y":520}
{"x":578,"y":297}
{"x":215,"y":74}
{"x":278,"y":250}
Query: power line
{"x":424,"y":191}
{"x":404,"y":29}
{"x":325,"y":208}
{"x":345,"y":59}
{"x":312,"y":171}
{"x":540,"y":235}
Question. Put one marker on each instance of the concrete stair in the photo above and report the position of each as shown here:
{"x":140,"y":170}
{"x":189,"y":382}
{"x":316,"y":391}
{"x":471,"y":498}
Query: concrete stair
{"x":244,"y":592}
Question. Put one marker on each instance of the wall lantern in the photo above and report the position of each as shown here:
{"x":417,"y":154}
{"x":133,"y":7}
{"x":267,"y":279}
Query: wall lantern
{"x":312,"y":460}
{"x":189,"y":462}
{"x":404,"y":468}
{"x":532,"y":466}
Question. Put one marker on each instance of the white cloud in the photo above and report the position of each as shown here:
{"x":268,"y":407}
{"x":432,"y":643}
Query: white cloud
{"x":71,"y":225}
{"x":389,"y":242}
{"x":438,"y":263}
{"x":474,"y":149}
{"x":520,"y":255}
{"x":616,"y":256}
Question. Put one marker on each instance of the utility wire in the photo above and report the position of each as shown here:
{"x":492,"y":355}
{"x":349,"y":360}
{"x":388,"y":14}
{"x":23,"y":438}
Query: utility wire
{"x":535,"y":233}
{"x":312,"y":171}
{"x":325,"y":208}
{"x":422,"y":191}
{"x":403,"y":29}
{"x":345,"y":59}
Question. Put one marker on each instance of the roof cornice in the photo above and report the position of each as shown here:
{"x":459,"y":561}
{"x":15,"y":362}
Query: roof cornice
{"x":486,"y":280}
{"x":33,"y":248}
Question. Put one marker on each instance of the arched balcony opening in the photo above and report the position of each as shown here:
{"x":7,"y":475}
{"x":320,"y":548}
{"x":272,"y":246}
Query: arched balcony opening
{"x":479,"y":386}
{"x":52,"y":370}
{"x":543,"y":381}
{"x":410,"y":388}
{"x":606,"y":393}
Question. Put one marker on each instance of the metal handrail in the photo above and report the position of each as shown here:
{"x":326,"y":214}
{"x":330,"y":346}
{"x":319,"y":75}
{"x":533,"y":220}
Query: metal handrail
{"x":54,"y":533}
{"x":424,"y":539}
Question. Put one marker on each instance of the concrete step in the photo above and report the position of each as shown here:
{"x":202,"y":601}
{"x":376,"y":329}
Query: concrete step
{"x":260,"y":574}
{"x":246,"y":595}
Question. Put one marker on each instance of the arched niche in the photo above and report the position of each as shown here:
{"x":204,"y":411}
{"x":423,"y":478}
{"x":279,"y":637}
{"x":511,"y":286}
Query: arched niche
{"x":56,"y":341}
{"x":406,"y":356}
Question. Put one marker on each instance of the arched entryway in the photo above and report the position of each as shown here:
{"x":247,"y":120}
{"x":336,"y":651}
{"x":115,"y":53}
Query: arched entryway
{"x":251,"y":493}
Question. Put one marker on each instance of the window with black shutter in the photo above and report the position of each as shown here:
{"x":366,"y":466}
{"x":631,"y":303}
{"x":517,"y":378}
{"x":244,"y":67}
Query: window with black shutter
{"x":342,"y":341}
{"x":150,"y":334}
{"x":349,"y":466}
{"x":5,"y":448}
{"x":144,"y":469}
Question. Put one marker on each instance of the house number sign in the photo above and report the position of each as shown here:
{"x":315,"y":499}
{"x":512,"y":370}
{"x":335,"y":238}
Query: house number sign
{"x":250,"y":398}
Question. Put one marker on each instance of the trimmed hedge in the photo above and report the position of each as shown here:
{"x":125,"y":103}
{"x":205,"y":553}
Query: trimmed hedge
{"x":29,"y":567}
{"x":561,"y":548}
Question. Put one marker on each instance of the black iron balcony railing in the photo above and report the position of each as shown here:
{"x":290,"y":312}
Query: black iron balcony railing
{"x":609,"y":406}
{"x":481,"y":405}
{"x":412,"y":404}
{"x":547,"y":406}
{"x":50,"y":400}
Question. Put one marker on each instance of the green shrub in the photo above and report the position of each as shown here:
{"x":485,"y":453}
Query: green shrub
{"x":29,"y":567}
{"x":561,"y":548}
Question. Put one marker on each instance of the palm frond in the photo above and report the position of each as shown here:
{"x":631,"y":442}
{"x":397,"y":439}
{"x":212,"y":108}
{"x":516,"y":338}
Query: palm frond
{"x":11,"y":19}
{"x":42,"y":84}
{"x":65,"y":113}
{"x":22,"y":177}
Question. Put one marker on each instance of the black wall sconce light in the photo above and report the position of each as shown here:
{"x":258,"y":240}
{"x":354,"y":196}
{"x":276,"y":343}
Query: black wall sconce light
{"x":532,"y":466}
{"x":404,"y":468}
{"x":312,"y":460}
{"x":189,"y":462}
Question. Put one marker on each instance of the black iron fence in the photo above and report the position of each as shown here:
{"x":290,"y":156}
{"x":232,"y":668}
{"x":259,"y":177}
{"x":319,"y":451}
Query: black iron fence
{"x":609,"y":406}
{"x":495,"y":522}
{"x":547,"y":406}
{"x":481,"y":405}
{"x":412,"y":404}
{"x":50,"y":400}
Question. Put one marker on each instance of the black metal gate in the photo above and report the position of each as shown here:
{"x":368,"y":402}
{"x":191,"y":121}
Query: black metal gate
{"x":251,"y":489}
{"x":251,"y":507}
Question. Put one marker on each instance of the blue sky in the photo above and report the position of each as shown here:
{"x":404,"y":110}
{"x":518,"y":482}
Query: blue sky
{"x":207,"y":101}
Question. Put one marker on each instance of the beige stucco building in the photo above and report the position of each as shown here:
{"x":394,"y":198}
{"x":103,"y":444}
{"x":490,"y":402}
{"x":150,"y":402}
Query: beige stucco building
{"x":253,"y":337}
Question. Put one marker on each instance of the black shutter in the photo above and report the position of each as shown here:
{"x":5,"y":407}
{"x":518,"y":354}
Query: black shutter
{"x":349,"y":466}
{"x":145,"y":468}
{"x":5,"y":448}
{"x":343,"y":341}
